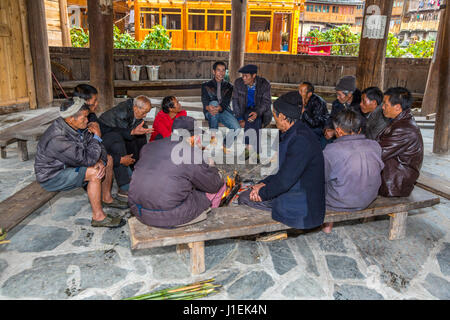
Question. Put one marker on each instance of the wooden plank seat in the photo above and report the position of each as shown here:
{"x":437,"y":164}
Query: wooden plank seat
{"x":21,"y":204}
{"x":24,"y":131}
{"x":228,"y":222}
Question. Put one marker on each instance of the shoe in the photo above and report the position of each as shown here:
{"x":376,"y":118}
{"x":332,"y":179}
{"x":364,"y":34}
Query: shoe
{"x":108,"y":222}
{"x":123,"y":194}
{"x":116,"y":204}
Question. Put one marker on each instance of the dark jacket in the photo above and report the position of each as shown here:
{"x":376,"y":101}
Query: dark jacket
{"x":61,"y":146}
{"x":263,"y":99}
{"x":165,"y":194}
{"x":352,"y":172}
{"x":376,"y":122}
{"x":298,"y":188}
{"x":120,"y":119}
{"x":209,"y":93}
{"x":316,"y":112}
{"x":337,"y":107}
{"x":402,"y":155}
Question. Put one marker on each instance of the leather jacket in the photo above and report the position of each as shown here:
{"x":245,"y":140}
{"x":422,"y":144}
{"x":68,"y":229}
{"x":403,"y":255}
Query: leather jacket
{"x":402,"y":155}
{"x":209,"y":93}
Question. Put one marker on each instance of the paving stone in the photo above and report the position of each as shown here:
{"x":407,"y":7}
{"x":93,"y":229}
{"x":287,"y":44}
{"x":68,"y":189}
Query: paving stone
{"x":83,"y":222}
{"x":153,"y":251}
{"x":352,"y":292}
{"x":399,"y":261}
{"x":437,"y":286}
{"x":282,"y":258}
{"x":3,"y":265}
{"x":250,"y":286}
{"x":216,"y":251}
{"x":11,"y":182}
{"x":141,"y":268}
{"x":98,"y":297}
{"x":64,"y":210}
{"x":36,"y":238}
{"x":169,"y":266}
{"x":84,"y":239}
{"x":307,"y":254}
{"x":116,"y":236}
{"x":130,"y":290}
{"x":331,"y":242}
{"x":303,"y":287}
{"x":225,"y":277}
{"x":248,"y":253}
{"x":65,"y":275}
{"x":343,"y":267}
{"x":443,"y":258}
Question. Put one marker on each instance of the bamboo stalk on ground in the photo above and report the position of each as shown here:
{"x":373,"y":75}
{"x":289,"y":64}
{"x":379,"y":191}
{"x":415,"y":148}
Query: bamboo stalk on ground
{"x":188,"y":292}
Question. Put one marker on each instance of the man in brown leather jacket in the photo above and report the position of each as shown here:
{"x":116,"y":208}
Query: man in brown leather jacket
{"x":402,"y":145}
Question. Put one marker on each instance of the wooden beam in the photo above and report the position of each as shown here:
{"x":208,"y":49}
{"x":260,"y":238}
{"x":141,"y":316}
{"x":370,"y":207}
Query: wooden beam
{"x":237,"y":42}
{"x":37,"y":30}
{"x":64,"y":20}
{"x":441,"y":130}
{"x":101,"y":63}
{"x":372,"y":48}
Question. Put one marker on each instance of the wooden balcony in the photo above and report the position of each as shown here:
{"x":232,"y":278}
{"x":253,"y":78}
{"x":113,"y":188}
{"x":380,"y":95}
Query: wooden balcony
{"x":420,"y":26}
{"x":329,"y":17}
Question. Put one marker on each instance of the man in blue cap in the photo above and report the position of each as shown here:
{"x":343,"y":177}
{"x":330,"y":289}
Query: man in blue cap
{"x":296,"y":193}
{"x":251,"y":101}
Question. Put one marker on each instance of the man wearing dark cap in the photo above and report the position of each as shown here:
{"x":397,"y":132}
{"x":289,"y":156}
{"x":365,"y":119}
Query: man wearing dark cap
{"x":171,"y":184}
{"x":296,"y":193}
{"x":251,"y":101}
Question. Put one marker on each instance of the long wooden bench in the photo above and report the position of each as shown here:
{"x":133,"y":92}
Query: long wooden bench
{"x":24,"y":131}
{"x":228,"y":222}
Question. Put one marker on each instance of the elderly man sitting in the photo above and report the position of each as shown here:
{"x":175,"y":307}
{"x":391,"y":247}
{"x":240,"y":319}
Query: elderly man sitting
{"x":170,"y":190}
{"x":352,"y":167}
{"x":296,"y":193}
{"x":70,"y":156}
{"x":124,"y":134}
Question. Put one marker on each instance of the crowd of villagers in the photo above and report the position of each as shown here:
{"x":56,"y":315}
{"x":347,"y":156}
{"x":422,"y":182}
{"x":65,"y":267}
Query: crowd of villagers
{"x":368,"y":145}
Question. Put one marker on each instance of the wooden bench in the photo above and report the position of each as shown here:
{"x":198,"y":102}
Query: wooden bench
{"x":228,"y":222}
{"x":24,"y":131}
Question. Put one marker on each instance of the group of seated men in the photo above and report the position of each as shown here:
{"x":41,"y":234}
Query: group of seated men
{"x":369,"y":145}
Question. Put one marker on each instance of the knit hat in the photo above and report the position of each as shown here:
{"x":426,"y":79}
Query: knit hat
{"x":347,"y":83}
{"x":289,"y":110}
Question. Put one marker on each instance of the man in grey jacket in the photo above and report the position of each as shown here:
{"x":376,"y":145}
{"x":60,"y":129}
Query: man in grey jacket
{"x":353,"y":167}
{"x":372,"y":108}
{"x":70,"y":155}
{"x":171,"y":184}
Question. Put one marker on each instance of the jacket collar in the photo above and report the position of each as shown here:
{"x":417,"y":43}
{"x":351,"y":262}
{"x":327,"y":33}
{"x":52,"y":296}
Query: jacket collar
{"x":404,"y":115}
{"x":351,"y":137}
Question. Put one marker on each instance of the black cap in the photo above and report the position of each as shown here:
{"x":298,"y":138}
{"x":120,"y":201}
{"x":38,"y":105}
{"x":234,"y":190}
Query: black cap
{"x":289,"y":110}
{"x":187,"y":123}
{"x":250,"y":68}
{"x":347,"y":83}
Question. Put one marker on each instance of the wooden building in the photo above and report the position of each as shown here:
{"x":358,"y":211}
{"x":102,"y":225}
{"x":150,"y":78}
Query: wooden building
{"x":420,"y":20}
{"x":206,"y":25}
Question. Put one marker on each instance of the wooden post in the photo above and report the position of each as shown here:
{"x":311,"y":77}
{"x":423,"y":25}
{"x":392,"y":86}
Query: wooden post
{"x":64,"y":20}
{"x":37,"y":30}
{"x":197,"y":257}
{"x":185,"y":25}
{"x":397,"y":226}
{"x":101,"y":62}
{"x":137,"y":21}
{"x":372,"y":48}
{"x":22,"y":150}
{"x":442,"y":124}
{"x":237,"y":41}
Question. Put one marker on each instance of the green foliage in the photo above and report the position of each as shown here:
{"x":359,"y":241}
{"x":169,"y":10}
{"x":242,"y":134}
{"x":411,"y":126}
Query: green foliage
{"x":422,"y":49}
{"x":124,"y":40}
{"x":158,"y":38}
{"x":79,"y":38}
{"x":393,"y":50}
{"x":339,"y":35}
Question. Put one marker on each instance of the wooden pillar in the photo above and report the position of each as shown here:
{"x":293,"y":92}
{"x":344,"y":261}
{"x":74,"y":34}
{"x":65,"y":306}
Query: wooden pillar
{"x":185,"y":25}
{"x":64,"y":20}
{"x":441,"y":129}
{"x":101,"y":62}
{"x":237,"y":41}
{"x":372,"y":48}
{"x":430,"y":97}
{"x":137,"y":21}
{"x":37,"y":30}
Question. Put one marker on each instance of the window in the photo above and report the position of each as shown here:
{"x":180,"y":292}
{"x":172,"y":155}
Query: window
{"x":335,"y":9}
{"x":228,"y":23}
{"x":171,"y":18}
{"x":260,"y":22}
{"x":318,"y":8}
{"x":150,"y":20}
{"x":196,"y":19}
{"x":326,"y":9}
{"x":215,"y":23}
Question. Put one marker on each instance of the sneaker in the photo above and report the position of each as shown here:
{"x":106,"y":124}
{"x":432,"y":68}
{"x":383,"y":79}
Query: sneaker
{"x":108,"y":222}
{"x":123,"y":194}
{"x":116,"y":204}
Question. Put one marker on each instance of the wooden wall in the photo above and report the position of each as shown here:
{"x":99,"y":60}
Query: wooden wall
{"x":16,"y":69}
{"x":53,"y":22}
{"x":73,"y":64}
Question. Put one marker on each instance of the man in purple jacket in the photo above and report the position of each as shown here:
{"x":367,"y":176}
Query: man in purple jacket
{"x":353,"y":167}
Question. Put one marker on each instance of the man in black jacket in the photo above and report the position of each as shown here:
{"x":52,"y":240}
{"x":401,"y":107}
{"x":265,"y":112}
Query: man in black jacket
{"x":124,"y":134}
{"x":372,"y":108}
{"x":70,"y":156}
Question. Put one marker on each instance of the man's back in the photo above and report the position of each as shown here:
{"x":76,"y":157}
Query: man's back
{"x":352,"y":172}
{"x":119,"y":116}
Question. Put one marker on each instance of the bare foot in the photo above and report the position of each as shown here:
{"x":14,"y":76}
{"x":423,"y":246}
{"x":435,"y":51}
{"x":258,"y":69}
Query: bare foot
{"x":327,"y":227}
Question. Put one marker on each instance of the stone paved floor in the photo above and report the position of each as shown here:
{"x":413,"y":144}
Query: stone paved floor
{"x":56,"y":254}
